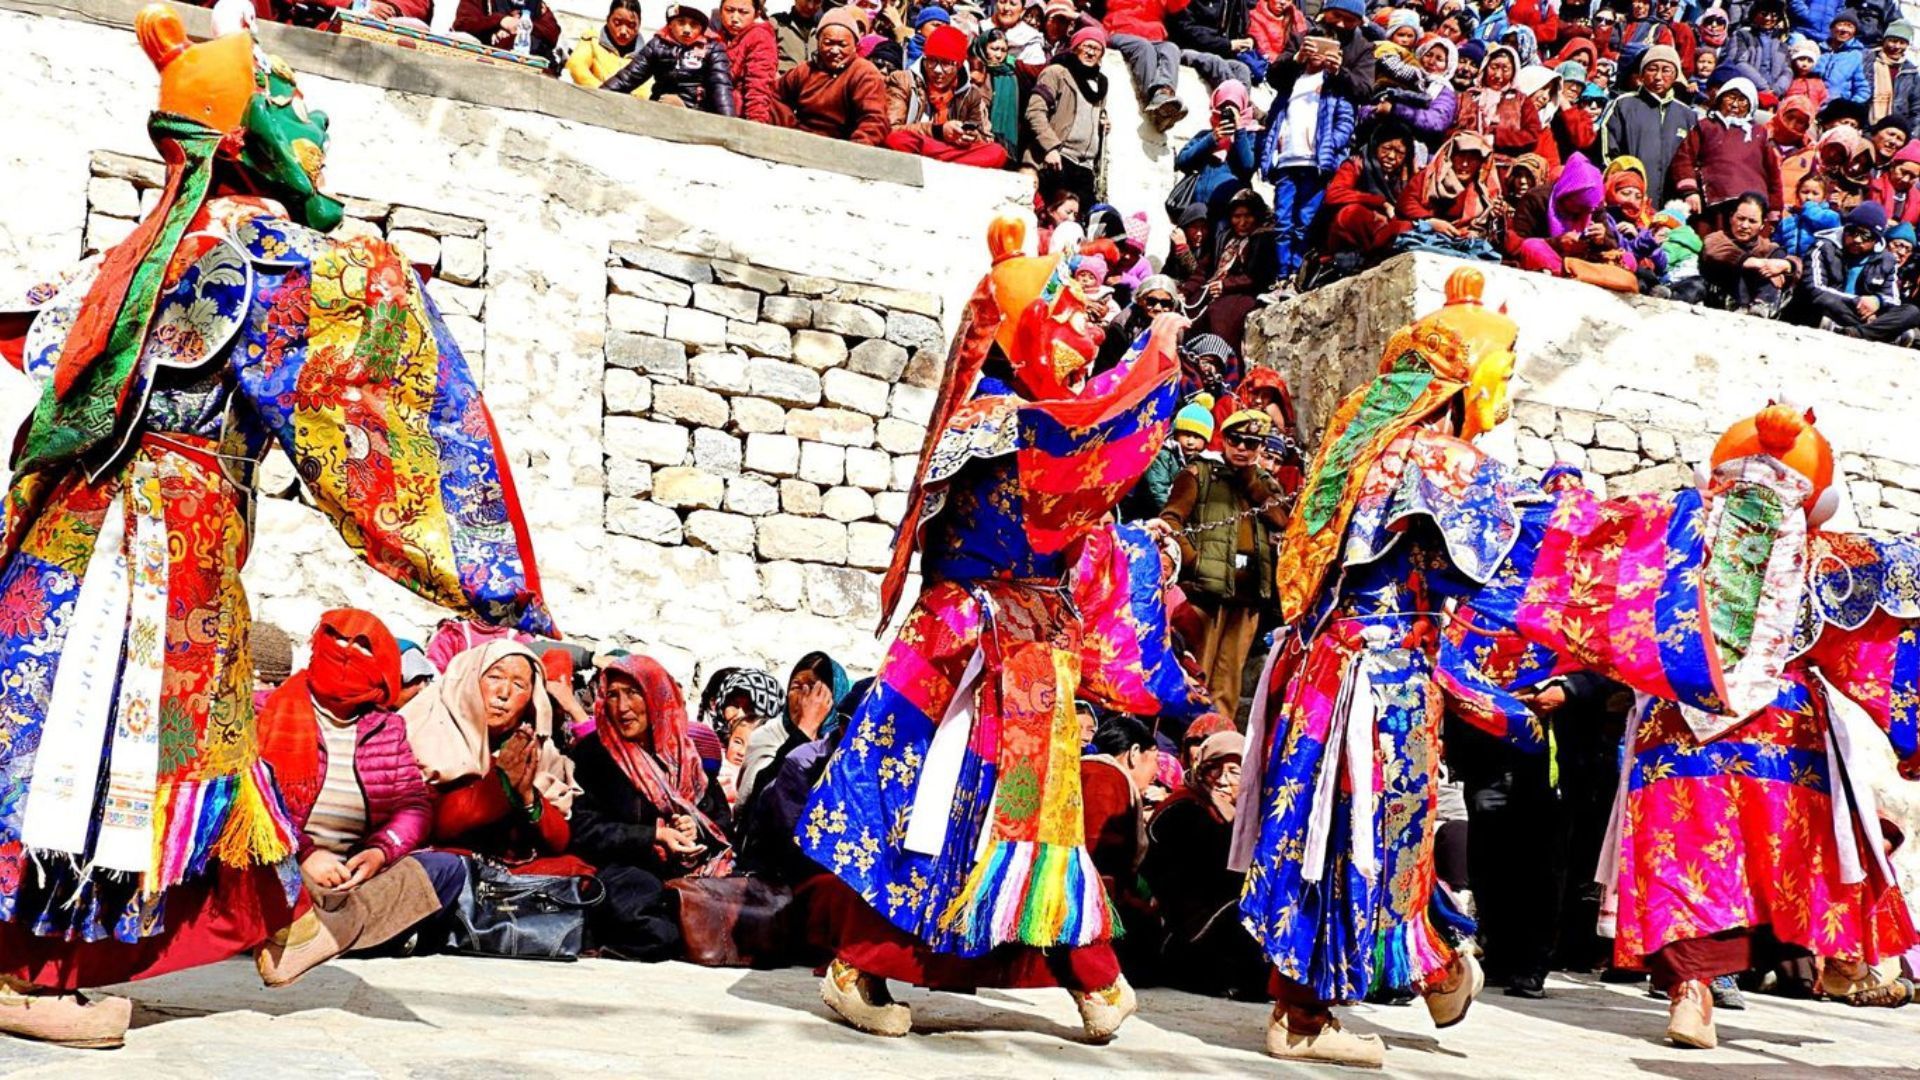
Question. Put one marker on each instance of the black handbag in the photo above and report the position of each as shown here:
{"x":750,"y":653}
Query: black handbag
{"x":521,"y":916}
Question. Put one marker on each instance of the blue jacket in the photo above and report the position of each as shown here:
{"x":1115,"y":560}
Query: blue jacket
{"x":1846,"y":72}
{"x":1813,"y":17}
{"x":1332,"y":135}
{"x":1800,"y":229}
{"x":1197,"y":157}
{"x":1764,"y":54}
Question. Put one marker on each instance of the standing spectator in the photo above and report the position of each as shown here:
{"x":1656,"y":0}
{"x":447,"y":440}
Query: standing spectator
{"x":602,"y":52}
{"x":1649,"y":123}
{"x":753,"y":57}
{"x":1431,"y":114}
{"x":1276,"y":28}
{"x":1895,"y":79}
{"x":1067,"y":117}
{"x":1212,"y":34}
{"x":1207,"y":950}
{"x":1843,"y":67}
{"x":1349,"y":75}
{"x":1643,"y":30}
{"x":1233,"y":509}
{"x":1026,"y":43}
{"x":1684,"y":43}
{"x":685,"y":66}
{"x":1192,"y":431}
{"x":1894,"y":188}
{"x":1498,"y":110}
{"x":1803,"y":60}
{"x":497,"y":23}
{"x":1361,"y":210}
{"x":937,"y":111}
{"x":1743,"y":270}
{"x":1222,"y":159}
{"x":1712,"y":31}
{"x":923,"y":23}
{"x":1851,"y":284}
{"x":795,"y":28}
{"x":1137,"y":29}
{"x":838,"y":93}
{"x":1308,"y":133}
{"x":1761,"y":47}
{"x":998,"y":76}
{"x":1727,"y":155}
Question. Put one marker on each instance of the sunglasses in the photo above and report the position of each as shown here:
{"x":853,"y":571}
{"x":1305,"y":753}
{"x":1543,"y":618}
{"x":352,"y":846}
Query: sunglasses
{"x":1156,"y":303}
{"x":1247,"y":442}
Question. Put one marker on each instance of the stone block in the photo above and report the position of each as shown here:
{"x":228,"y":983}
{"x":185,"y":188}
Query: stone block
{"x":905,"y":468}
{"x":1612,"y":463}
{"x":836,"y":426}
{"x":869,"y":545}
{"x":1535,"y":418}
{"x":750,"y":277}
{"x":846,"y":504}
{"x":720,"y":532}
{"x":740,"y":304}
{"x":457,"y":299}
{"x":370,"y":209}
{"x":1906,"y":502}
{"x":144,"y":172}
{"x":113,"y":197}
{"x":1659,"y":445}
{"x":800,"y":497}
{"x":682,"y":486}
{"x":880,"y":296}
{"x":914,"y":331}
{"x":1897,"y":474}
{"x":103,"y":232}
{"x":680,"y":267}
{"x":463,"y":259}
{"x":879,"y":358}
{"x":837,"y":592}
{"x":348,"y":229}
{"x":926,"y":368}
{"x":760,"y":339}
{"x":633,"y":315}
{"x":627,"y":392}
{"x":628,"y":479}
{"x":805,"y":285}
{"x":1577,"y":426}
{"x":752,"y":496}
{"x":752,"y":414}
{"x":792,"y":312}
{"x":1575,"y":456}
{"x":1659,"y":480}
{"x":788,"y":384}
{"x":426,"y":221}
{"x":786,"y":536}
{"x":783,"y":585}
{"x":716,"y":451}
{"x":418,"y":248}
{"x":848,"y":320}
{"x":1614,"y":435}
{"x":890,"y":507}
{"x":648,"y":355}
{"x":646,"y":440}
{"x":696,"y":327}
{"x":725,"y":371}
{"x":900,"y":437}
{"x":822,"y":464}
{"x":774,"y":455}
{"x":860,"y":393}
{"x":643,"y":519}
{"x":914,"y":404}
{"x":690,"y":404}
{"x":1535,"y":452}
{"x":648,"y":286}
{"x":819,"y":350}
{"x":870,"y":469}
{"x":471,"y":336}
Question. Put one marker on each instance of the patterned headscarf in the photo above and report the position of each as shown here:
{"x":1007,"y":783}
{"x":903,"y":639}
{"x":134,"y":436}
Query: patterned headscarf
{"x":669,"y":764}
{"x":765,"y":696}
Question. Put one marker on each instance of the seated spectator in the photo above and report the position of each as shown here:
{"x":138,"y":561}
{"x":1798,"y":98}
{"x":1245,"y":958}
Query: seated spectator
{"x":1552,"y":225}
{"x":1568,"y":129}
{"x":924,"y":21}
{"x":1742,"y":268}
{"x":1457,"y":194}
{"x":1207,"y":950}
{"x":766,"y":830}
{"x":815,"y":689}
{"x":1275,"y":28}
{"x":1361,"y":212}
{"x":355,"y":798}
{"x":1843,"y":62}
{"x":455,"y":636}
{"x":1131,"y":745}
{"x":753,"y":57}
{"x":1526,"y":172}
{"x":1851,"y":282}
{"x":740,"y":693}
{"x":1900,"y":241}
{"x":995,"y":74}
{"x":794,"y":29}
{"x":1067,"y":118}
{"x":1212,"y":34}
{"x":1813,"y":213}
{"x":1895,"y":79}
{"x":1894,"y":190}
{"x":1726,"y":155}
{"x":1308,"y":131}
{"x":1430,"y":111}
{"x":1243,"y":266}
{"x":648,"y":812}
{"x":1643,"y":29}
{"x":1222,"y":159}
{"x":497,"y":23}
{"x":1060,"y":20}
{"x":837,"y":93}
{"x":936,"y":110}
{"x":1026,"y":43}
{"x":1791,"y":129}
{"x":1137,"y":30}
{"x":1192,"y":235}
{"x":600,"y":53}
{"x":1156,"y":294}
{"x":685,"y":66}
{"x":1498,"y":110}
{"x":1631,"y":218}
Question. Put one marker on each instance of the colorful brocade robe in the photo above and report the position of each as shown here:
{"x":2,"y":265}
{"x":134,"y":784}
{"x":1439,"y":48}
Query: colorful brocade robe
{"x":952,"y":805}
{"x":128,"y":763}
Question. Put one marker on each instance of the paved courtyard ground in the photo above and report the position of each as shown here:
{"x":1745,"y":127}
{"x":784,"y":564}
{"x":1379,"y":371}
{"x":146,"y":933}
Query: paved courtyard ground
{"x":445,"y":1018}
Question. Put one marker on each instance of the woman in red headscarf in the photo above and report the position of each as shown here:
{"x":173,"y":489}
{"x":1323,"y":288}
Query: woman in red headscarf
{"x":648,"y":812}
{"x":356,"y":796}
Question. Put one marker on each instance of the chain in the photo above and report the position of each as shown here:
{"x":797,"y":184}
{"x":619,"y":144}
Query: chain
{"x":1280,"y":499}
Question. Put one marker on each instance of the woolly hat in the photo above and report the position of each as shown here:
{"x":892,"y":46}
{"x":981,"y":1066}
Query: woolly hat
{"x":1802,"y":47}
{"x":1473,"y":51}
{"x":945,"y":43}
{"x":931,"y":14}
{"x":1208,"y":345}
{"x":1845,"y":15}
{"x":1902,"y":231}
{"x":1902,"y":30}
{"x":848,"y":18}
{"x":1137,"y":228}
{"x":1870,"y":216}
{"x":1406,"y":17}
{"x":1195,"y":419}
{"x":1094,"y":265}
{"x":889,"y":52}
{"x":1086,"y":34}
{"x":688,"y":11}
{"x":1656,"y":53}
{"x":1255,"y":421}
{"x":1355,"y":8}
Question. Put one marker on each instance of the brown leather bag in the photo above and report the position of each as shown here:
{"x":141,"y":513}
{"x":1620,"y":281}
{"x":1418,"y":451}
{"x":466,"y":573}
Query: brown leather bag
{"x":1606,"y":275}
{"x":735,"y":922}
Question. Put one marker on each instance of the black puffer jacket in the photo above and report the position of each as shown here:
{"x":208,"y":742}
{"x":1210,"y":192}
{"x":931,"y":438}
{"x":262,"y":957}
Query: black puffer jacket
{"x":697,"y":74}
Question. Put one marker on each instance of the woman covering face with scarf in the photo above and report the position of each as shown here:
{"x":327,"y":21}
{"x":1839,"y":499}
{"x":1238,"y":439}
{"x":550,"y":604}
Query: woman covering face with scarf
{"x":815,"y":687}
{"x":1554,"y":224}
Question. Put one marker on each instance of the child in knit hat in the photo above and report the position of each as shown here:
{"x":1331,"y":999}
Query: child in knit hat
{"x":1192,"y":431}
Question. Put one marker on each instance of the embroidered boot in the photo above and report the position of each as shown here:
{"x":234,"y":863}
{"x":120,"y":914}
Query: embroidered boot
{"x":70,"y":1020}
{"x":1690,"y":1015}
{"x":1103,"y":1011}
{"x":1302,"y":1035}
{"x":1448,"y":1002}
{"x":863,"y":1001}
{"x":312,"y":940}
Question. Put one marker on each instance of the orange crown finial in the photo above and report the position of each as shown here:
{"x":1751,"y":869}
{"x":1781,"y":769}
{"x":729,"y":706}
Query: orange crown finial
{"x":1006,"y":234}
{"x":209,"y":82}
{"x":1778,"y":427}
{"x":161,"y":34}
{"x":1785,"y":433}
{"x":1466,"y":286}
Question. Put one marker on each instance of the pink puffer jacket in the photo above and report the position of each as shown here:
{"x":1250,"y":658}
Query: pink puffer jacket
{"x":399,"y":810}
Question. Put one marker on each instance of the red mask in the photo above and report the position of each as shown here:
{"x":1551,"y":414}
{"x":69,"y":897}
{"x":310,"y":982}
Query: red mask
{"x":344,"y":679}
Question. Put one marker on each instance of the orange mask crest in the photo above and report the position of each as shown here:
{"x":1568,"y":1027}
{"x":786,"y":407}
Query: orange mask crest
{"x":210,"y":82}
{"x":1786,"y":434}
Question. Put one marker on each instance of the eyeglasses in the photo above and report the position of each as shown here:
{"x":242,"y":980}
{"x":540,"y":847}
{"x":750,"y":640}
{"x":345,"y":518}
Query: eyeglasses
{"x":1157,"y":303}
{"x":1247,"y":442}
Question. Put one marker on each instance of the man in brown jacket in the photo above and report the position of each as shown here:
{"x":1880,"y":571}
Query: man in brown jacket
{"x":838,"y":93}
{"x":938,"y":112}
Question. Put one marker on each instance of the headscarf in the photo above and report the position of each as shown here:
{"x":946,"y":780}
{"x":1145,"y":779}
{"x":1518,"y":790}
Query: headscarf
{"x":1534,"y":78}
{"x":1625,"y":171}
{"x":341,"y":680}
{"x":765,"y":744}
{"x":667,"y":771}
{"x":1743,"y":87}
{"x":765,"y":696}
{"x":1576,"y":195}
{"x":1785,"y":137}
{"x":1532,"y":164}
{"x":1570,"y":51}
{"x":1438,"y":183}
{"x":1003,"y":114}
{"x":1214,"y":754}
{"x":1525,"y":43}
{"x":1445,"y":78}
{"x":1374,"y":178}
{"x":447,"y":725}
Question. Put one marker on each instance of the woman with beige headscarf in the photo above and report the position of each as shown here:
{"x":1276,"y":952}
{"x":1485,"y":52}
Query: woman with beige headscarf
{"x":484,"y":737}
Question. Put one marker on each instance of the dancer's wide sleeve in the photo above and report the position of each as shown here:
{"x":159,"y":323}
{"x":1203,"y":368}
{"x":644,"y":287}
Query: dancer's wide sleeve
{"x":1127,"y":657}
{"x":1863,"y":617}
{"x":351,"y":368}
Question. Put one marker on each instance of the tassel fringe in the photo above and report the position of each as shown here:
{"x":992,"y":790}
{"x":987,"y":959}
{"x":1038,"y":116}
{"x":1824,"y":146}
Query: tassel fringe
{"x":1030,"y":893}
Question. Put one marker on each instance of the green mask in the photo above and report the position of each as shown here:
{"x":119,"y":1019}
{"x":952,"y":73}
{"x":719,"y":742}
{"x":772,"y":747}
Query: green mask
{"x":285,"y":150}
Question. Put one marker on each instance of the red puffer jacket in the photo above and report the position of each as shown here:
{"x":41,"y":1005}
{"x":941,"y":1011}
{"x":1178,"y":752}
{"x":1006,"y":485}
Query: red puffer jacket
{"x":1141,"y":18}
